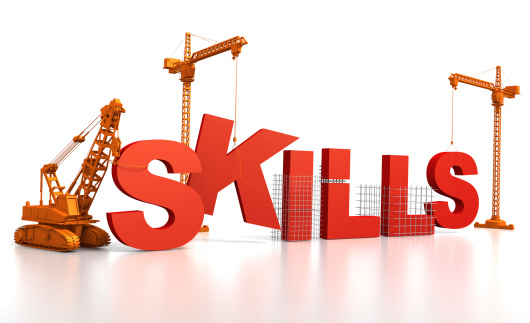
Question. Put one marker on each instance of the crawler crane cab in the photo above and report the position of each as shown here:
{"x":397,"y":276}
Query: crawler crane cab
{"x":64,"y":224}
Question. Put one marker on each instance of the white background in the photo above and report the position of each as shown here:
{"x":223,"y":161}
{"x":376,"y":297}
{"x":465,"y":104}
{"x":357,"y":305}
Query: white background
{"x":370,"y":76}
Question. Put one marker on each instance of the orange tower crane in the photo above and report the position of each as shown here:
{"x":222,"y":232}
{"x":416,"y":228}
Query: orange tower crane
{"x":186,"y":68}
{"x":497,"y":97}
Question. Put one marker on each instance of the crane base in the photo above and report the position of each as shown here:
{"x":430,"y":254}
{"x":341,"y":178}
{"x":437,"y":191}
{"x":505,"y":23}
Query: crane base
{"x":495,"y":224}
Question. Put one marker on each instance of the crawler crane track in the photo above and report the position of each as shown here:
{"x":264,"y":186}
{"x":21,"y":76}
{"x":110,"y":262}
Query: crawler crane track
{"x":94,"y":237}
{"x":69,"y":241}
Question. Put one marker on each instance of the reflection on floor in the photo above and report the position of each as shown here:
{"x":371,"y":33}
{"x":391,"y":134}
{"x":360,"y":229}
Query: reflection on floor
{"x":476,"y":275}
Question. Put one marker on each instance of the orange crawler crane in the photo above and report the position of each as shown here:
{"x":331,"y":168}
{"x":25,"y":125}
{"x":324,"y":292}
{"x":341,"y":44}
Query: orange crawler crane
{"x":64,"y":224}
{"x":497,"y":97}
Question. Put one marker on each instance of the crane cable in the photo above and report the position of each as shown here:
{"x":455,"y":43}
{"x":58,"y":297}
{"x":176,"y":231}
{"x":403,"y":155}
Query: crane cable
{"x":70,"y":147}
{"x":483,"y":72}
{"x":452,"y":120}
{"x":452,"y":113}
{"x":452,"y":127}
{"x":235,"y":110}
{"x":507,"y":78}
{"x":177,"y":48}
{"x":235,"y":126}
{"x":206,"y":39}
{"x":77,"y":145}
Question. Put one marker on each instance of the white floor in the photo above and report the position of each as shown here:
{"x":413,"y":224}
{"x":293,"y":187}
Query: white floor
{"x":471,"y":275}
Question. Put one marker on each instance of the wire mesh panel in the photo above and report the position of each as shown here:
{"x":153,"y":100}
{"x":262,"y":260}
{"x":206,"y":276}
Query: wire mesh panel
{"x":276,"y":195}
{"x":404,"y":211}
{"x":296,"y":199}
{"x":368,"y":200}
{"x":315,"y":231}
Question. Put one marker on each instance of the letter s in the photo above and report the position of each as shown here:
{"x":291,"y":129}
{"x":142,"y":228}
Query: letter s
{"x":183,"y":204}
{"x":461,"y":192}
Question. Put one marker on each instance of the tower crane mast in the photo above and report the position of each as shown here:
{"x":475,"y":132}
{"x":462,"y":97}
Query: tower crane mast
{"x":497,"y":98}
